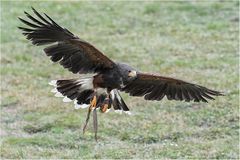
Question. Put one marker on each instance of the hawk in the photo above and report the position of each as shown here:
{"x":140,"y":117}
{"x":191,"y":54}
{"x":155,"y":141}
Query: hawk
{"x":100,"y":89}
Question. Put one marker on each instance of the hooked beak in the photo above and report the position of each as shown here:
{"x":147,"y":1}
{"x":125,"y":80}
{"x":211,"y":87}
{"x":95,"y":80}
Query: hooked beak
{"x":132,"y":74}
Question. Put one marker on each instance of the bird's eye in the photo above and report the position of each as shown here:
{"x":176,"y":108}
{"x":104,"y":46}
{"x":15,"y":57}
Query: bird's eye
{"x":132,"y":73}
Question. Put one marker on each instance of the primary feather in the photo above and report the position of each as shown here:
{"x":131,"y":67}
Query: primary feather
{"x":73,"y":53}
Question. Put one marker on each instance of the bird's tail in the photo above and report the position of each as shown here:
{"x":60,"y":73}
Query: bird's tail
{"x":118,"y":103}
{"x":81,"y":91}
{"x":78,"y":90}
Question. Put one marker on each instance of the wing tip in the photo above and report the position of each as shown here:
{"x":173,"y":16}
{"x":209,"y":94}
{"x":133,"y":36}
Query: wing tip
{"x":216,"y":93}
{"x":222,"y":94}
{"x":33,"y":8}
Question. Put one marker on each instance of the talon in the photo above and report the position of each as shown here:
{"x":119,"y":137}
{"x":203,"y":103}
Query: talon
{"x":106,"y":105}
{"x":104,"y":108}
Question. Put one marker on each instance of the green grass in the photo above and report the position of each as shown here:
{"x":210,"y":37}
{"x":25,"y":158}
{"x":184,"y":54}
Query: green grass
{"x":193,"y":41}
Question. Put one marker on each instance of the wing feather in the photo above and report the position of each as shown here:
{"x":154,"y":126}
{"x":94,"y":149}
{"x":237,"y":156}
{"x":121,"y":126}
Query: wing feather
{"x":155,"y":87}
{"x":73,"y":53}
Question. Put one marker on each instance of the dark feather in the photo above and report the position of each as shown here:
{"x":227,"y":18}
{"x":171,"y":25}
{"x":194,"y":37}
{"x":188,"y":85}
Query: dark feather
{"x":156,"y":87}
{"x":39,"y":16}
{"x":34,"y":20}
{"x":28,"y":23}
{"x":73,"y":50}
{"x":26,"y":29}
{"x":117,"y":101}
{"x":185,"y":93}
{"x":85,"y":97}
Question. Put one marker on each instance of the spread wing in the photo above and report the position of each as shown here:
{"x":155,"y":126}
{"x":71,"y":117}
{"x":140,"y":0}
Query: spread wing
{"x":71,"y":52}
{"x":154,"y":87}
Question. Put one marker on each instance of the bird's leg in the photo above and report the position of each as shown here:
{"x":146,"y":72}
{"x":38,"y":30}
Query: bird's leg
{"x":91,"y":107}
{"x":87,"y":119}
{"x":95,"y":123}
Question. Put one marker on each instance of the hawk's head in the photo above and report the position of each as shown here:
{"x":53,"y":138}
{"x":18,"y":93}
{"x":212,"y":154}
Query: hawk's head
{"x":128,"y":73}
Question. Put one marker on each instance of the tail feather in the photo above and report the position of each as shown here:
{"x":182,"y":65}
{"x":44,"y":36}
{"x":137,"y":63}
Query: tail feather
{"x":85,"y":97}
{"x":79,"y":90}
{"x":82,"y":91}
{"x":117,"y":102}
{"x":68,"y":87}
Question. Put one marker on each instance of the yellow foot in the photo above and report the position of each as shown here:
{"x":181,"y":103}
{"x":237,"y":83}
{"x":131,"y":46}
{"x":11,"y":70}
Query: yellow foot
{"x":93,"y":103}
{"x":104,"y":108}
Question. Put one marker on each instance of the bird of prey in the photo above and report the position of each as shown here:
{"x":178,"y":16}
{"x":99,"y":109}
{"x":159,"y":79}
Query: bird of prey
{"x":100,"y":89}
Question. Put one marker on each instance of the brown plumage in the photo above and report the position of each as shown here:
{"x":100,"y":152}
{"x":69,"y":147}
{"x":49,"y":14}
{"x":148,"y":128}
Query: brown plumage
{"x":101,"y":90}
{"x":73,"y":53}
{"x":155,"y":87}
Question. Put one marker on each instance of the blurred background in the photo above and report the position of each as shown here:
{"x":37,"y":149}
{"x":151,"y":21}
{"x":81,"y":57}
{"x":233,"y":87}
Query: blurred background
{"x":194,"y":41}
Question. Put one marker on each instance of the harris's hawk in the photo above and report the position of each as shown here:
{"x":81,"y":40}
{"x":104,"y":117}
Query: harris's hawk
{"x":101,"y":89}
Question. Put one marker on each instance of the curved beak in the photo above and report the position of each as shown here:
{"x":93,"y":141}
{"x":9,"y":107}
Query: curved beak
{"x":132,"y":74}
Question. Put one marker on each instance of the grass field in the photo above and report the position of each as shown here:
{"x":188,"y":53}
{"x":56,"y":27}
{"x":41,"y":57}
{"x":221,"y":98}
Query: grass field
{"x":193,"y":41}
